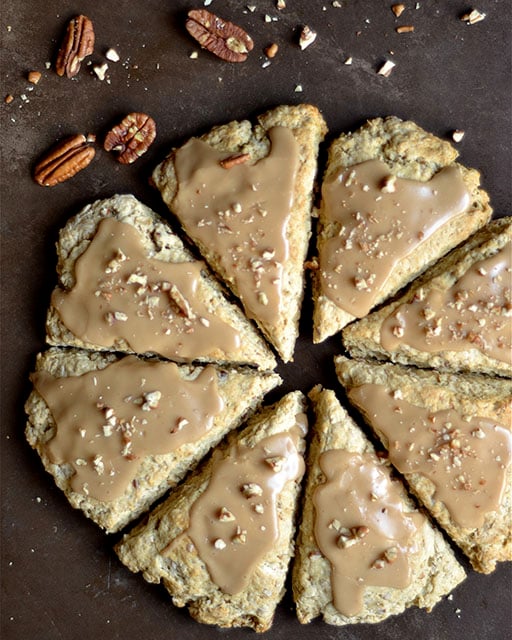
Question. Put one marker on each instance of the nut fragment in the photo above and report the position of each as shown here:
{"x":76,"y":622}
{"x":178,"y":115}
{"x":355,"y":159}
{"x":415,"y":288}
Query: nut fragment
{"x":473,"y":16}
{"x":34,"y":76}
{"x":271,"y":50}
{"x":63,"y":161}
{"x":250,"y":489}
{"x":406,"y":28}
{"x":131,"y":138}
{"x":222,"y":38}
{"x":307,"y":37}
{"x":233,"y":160}
{"x":386,"y":69}
{"x":457,"y":135}
{"x":78,"y":43}
{"x":398,"y":9}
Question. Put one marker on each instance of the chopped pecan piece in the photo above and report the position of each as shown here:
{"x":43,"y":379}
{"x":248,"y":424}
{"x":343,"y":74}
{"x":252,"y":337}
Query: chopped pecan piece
{"x":232,"y":161}
{"x":131,"y":138}
{"x":78,"y":43}
{"x":222,"y":38}
{"x":64,"y":160}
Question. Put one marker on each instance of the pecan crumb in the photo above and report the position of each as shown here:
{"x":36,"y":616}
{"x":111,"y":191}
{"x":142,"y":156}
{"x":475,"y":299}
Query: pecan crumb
{"x":271,"y":50}
{"x":280,"y":5}
{"x":232,"y":161}
{"x":34,"y":76}
{"x":250,"y":489}
{"x":406,"y":28}
{"x":386,"y":69}
{"x":307,"y":37}
{"x":225,"y":515}
{"x":398,"y":9}
{"x":275,"y":463}
{"x":473,"y":16}
{"x":112,"y":55}
{"x":8,"y":98}
{"x":457,"y":135}
{"x":219,"y":544}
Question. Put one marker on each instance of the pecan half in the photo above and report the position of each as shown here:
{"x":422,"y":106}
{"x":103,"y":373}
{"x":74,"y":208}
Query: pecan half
{"x":64,"y":160}
{"x":131,"y":138}
{"x":222,"y":38}
{"x":78,"y":43}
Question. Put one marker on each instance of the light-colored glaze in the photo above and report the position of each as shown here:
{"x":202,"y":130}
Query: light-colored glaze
{"x":235,"y":522}
{"x":379,"y":220}
{"x":122,"y":294}
{"x":474,"y":313}
{"x":241,"y":215}
{"x":361,"y":527}
{"x":108,"y":420}
{"x":465,"y":458}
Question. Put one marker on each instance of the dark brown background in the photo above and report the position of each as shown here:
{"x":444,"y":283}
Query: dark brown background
{"x":60,"y":578}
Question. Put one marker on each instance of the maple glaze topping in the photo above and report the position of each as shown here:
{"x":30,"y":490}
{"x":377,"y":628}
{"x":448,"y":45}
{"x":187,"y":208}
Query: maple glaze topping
{"x":241,"y":213}
{"x":465,"y":458}
{"x":235,"y":522}
{"x":474,"y":313}
{"x":375,"y":220}
{"x":361,"y":527}
{"x":122,"y":294}
{"x":108,"y":420}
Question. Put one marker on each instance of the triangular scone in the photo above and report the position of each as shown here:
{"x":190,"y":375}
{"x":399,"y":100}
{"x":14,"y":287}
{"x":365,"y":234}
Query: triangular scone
{"x":213,"y":543}
{"x":348,"y":568}
{"x":450,"y":436}
{"x":243,"y":193}
{"x":117,"y":432}
{"x":457,"y":316}
{"x":127,"y":283}
{"x":393,"y":201}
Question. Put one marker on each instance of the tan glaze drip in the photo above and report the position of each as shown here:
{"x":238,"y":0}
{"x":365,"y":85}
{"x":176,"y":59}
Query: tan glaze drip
{"x":121,"y":294}
{"x":379,"y":220}
{"x":466,"y":459}
{"x":234,"y":523}
{"x":361,"y":527}
{"x":241,"y":214}
{"x":108,"y":420}
{"x":474,"y":313}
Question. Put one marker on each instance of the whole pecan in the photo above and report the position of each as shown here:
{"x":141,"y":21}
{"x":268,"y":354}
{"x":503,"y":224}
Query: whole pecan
{"x":76,"y":45}
{"x":222,"y":38}
{"x":64,"y":160}
{"x":131,"y":137}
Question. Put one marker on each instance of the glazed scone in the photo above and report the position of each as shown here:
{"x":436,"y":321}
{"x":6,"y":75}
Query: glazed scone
{"x":243,"y":193}
{"x":450,"y":437}
{"x":347,"y":567}
{"x":457,"y":316}
{"x":116,"y":432}
{"x":393,"y":201}
{"x":127,"y":283}
{"x":222,"y":541}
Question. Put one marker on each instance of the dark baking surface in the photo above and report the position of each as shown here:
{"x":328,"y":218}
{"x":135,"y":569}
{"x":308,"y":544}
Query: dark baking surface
{"x":60,"y":577}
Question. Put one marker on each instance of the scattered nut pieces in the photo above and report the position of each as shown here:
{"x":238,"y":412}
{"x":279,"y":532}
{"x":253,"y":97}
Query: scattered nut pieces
{"x":473,"y":16}
{"x":348,"y":60}
{"x":64,"y":160}
{"x":34,"y":76}
{"x":457,"y":135}
{"x":233,"y":160}
{"x":386,"y":69}
{"x":222,"y":38}
{"x":307,"y":37}
{"x":398,"y":9}
{"x":131,"y":138}
{"x":8,"y":98}
{"x":298,"y":88}
{"x":271,"y":50}
{"x":101,"y":70}
{"x":389,"y":184}
{"x":280,"y":5}
{"x":78,"y":43}
{"x":250,"y":489}
{"x":406,"y":28}
{"x":219,"y":544}
{"x":225,"y":515}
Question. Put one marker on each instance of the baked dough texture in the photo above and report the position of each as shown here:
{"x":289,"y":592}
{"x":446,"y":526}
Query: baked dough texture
{"x":241,"y":390}
{"x":160,"y":243}
{"x":411,"y":153}
{"x":362,"y":338}
{"x":469,"y":395}
{"x":182,"y":571}
{"x":242,"y":137}
{"x":434,"y":570}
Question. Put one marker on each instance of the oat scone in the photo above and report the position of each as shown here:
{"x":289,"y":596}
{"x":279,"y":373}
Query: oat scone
{"x":116,"y":432}
{"x":457,"y":316}
{"x":450,"y":437}
{"x":222,"y":541}
{"x":127,"y":283}
{"x":243,"y":193}
{"x":394,"y":200}
{"x":364,"y":552}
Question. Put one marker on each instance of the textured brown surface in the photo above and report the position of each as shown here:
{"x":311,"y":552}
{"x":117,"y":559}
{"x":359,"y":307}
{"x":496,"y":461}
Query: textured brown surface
{"x":60,"y":576}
